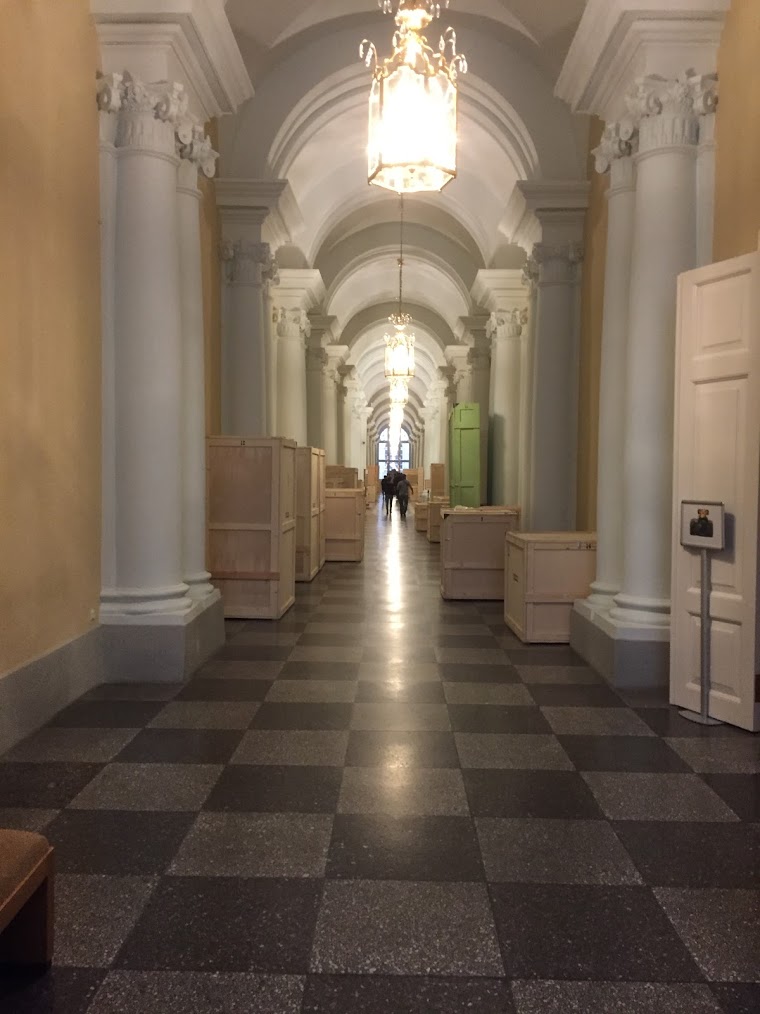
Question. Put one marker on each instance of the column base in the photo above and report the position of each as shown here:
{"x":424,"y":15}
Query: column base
{"x":161,"y":647}
{"x":199,"y":585}
{"x":169,"y":600}
{"x":628,"y":655}
{"x":633,"y":609}
{"x":602,"y":594}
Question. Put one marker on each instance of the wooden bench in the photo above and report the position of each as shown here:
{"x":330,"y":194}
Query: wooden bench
{"x":26,"y":898}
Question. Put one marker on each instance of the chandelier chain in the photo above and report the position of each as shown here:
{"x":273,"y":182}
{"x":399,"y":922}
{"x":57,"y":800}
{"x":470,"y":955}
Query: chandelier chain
{"x":401,"y":259}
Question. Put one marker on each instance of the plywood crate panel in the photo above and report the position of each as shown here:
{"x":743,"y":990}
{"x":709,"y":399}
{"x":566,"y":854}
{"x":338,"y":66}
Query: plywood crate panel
{"x":372,"y":475}
{"x":438,"y":486}
{"x":321,"y":488}
{"x":309,"y":463}
{"x":472,"y":551}
{"x":251,"y":531}
{"x":415,"y":478}
{"x":344,"y":524}
{"x":421,"y":515}
{"x":341,"y":477}
{"x":544,"y":572}
{"x":435,"y":517}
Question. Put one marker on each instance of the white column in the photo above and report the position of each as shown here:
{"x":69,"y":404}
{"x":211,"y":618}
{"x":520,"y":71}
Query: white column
{"x":555,"y":388}
{"x":614,"y":155}
{"x":148,"y":383}
{"x":109,"y":104}
{"x":705,"y":94}
{"x":244,"y":336}
{"x":527,"y":371}
{"x":505,"y":330}
{"x":316,"y":360}
{"x":331,"y":381}
{"x":195,"y":153}
{"x":664,"y":245}
{"x":292,"y":330}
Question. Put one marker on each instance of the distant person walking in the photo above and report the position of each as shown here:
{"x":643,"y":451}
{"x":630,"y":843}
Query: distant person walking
{"x":403,"y":489}
{"x":388,"y":487}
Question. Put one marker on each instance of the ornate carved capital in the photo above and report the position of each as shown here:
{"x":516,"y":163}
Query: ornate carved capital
{"x":507,"y":323}
{"x":557,"y":262}
{"x":704,"y":90}
{"x":664,"y":111}
{"x":245,"y":262}
{"x":148,"y":113}
{"x":530,"y":275}
{"x":194,"y":146}
{"x":292,"y":323}
{"x":619,"y":140}
{"x":109,"y":92}
{"x":315,"y":359}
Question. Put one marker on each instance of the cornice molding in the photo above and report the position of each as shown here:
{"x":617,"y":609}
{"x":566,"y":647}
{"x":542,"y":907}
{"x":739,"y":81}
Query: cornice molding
{"x":618,"y":41}
{"x":242,"y":193}
{"x":197,"y":32}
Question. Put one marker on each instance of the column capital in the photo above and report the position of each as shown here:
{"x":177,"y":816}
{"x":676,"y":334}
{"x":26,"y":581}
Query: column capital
{"x":663,"y":109}
{"x":557,"y":262}
{"x":292,"y":323}
{"x":194,"y":146}
{"x":246,"y":262}
{"x":619,"y":140}
{"x":148,"y":114}
{"x":507,"y":324}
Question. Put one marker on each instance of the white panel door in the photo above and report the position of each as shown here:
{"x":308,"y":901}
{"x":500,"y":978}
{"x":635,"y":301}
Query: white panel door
{"x":717,"y":457}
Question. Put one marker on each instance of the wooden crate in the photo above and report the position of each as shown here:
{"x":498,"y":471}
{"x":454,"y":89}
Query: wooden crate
{"x":344,"y":524}
{"x":371,"y":493}
{"x":321,"y":488}
{"x":340,"y":477}
{"x":472,"y":551}
{"x":544,"y":572}
{"x":372,"y":475}
{"x":421,"y":515}
{"x":438,"y":486}
{"x":309,"y":494}
{"x":435,"y":518}
{"x":416,"y":480}
{"x":252,"y":524}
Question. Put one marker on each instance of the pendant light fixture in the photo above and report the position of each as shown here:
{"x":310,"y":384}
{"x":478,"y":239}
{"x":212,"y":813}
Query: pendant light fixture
{"x":399,"y":343}
{"x":413,"y":102}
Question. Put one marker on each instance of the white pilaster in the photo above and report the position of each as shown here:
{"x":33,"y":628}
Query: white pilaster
{"x":664,"y":245}
{"x":148,"y":444}
{"x":614,"y":155}
{"x":705,"y":93}
{"x":335,"y":357}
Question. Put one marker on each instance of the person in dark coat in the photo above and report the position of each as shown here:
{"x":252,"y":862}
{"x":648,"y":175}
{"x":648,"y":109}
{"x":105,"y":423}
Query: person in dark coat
{"x":387,"y":487}
{"x":403,"y":489}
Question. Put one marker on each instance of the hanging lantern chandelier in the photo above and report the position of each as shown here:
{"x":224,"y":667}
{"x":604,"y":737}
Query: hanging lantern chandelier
{"x":413,"y":102}
{"x":399,"y":343}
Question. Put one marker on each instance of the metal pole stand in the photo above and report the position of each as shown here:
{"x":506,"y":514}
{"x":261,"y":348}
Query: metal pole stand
{"x":703,"y":716}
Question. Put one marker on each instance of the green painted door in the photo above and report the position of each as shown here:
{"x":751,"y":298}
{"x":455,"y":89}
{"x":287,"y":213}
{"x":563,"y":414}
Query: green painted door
{"x":464,"y":455}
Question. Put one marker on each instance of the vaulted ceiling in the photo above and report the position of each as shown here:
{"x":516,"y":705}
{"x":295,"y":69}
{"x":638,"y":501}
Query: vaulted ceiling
{"x":307,"y":123}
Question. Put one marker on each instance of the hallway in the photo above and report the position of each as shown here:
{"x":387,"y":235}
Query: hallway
{"x":385,"y":803}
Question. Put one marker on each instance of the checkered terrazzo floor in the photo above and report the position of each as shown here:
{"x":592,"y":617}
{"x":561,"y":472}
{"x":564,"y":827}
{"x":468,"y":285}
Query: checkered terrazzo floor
{"x":385,"y":804}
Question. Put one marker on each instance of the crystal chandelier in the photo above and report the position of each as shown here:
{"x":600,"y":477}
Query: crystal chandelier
{"x":399,"y":391}
{"x":413,"y":102}
{"x":399,"y":343}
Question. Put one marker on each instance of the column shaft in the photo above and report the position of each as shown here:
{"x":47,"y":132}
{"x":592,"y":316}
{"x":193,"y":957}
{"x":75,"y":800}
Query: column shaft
{"x":291,"y":376}
{"x":506,"y":369}
{"x":246,"y":358}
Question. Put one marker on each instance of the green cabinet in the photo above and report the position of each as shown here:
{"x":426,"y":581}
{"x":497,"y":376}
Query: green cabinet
{"x":464,"y":455}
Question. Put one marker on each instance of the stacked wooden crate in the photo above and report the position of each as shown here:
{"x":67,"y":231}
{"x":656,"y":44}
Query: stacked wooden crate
{"x":371,"y":484}
{"x":344,"y":524}
{"x":415,"y":479}
{"x":544,"y":572}
{"x":310,"y":485}
{"x":436,"y":507}
{"x":421,"y":508}
{"x":251,"y":547}
{"x":472,"y":557}
{"x":341,"y":477}
{"x":438,"y":485}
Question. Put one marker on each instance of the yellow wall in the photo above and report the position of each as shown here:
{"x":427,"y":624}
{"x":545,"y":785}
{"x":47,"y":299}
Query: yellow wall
{"x":212,"y":310}
{"x":592,"y":302}
{"x":737,"y":189}
{"x":49,"y":328}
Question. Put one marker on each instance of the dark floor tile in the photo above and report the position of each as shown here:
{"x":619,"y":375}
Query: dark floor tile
{"x":453,"y":672}
{"x":182,"y":746}
{"x":326,"y":640}
{"x":402,"y":750}
{"x":392,"y":692}
{"x":116,"y":842}
{"x":253,"y":653}
{"x":674,"y":854}
{"x":47,"y":786}
{"x":224,"y":690}
{"x":621,"y":753}
{"x":239,"y":670}
{"x":496,"y":718}
{"x":740,"y":792}
{"x":587,"y":932}
{"x":338,"y":615}
{"x":466,"y":641}
{"x":130,"y":992}
{"x":57,"y":991}
{"x":408,"y":653}
{"x":557,"y":997}
{"x":738,"y":998}
{"x":560,"y":794}
{"x":560,"y":654}
{"x":274,"y":715}
{"x":566,"y":695}
{"x":107,"y":714}
{"x":133,"y":692}
{"x":399,"y":994}
{"x":274,"y":789}
{"x":668,"y":722}
{"x":403,"y":848}
{"x":320,"y":671}
{"x":225,"y":924}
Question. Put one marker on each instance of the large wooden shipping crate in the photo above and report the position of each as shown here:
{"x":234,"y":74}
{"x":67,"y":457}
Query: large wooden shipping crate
{"x":341,"y":477}
{"x":415,"y":478}
{"x":435,"y":518}
{"x":310,"y":463}
{"x":372,"y":475}
{"x":438,"y":486}
{"x":472,"y":551}
{"x":344,"y":524}
{"x":252,"y":524}
{"x":421,"y":508}
{"x":544,"y":572}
